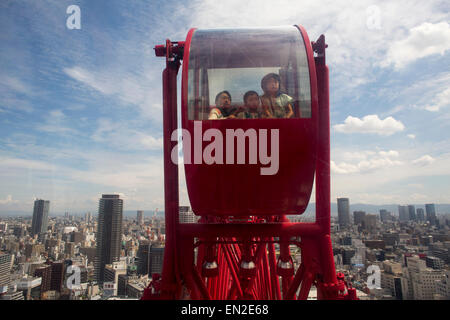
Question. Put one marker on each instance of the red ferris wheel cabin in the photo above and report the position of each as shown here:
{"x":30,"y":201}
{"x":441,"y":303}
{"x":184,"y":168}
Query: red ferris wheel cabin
{"x":261,"y":165}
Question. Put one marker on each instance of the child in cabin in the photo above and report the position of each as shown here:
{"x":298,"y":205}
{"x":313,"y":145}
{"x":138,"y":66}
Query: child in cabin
{"x":250,"y":110}
{"x":274,"y":103}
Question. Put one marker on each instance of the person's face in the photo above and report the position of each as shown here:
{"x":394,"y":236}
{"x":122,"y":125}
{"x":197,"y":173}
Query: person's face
{"x":272,"y":86}
{"x":224,"y":100}
{"x":253,"y":101}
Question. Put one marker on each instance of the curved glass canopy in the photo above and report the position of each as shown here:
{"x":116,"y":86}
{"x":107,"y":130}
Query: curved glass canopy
{"x":236,"y":60}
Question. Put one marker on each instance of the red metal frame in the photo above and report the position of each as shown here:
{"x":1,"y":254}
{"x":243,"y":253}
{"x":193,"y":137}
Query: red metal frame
{"x":229,"y":243}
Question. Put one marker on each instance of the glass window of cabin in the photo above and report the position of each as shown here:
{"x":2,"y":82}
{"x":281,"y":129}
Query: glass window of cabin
{"x":236,"y":60}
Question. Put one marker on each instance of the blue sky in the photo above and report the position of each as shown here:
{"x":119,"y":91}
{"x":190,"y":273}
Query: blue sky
{"x":80,"y":110}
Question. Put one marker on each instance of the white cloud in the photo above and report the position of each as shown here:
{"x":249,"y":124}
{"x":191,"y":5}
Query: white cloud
{"x":14,"y":84}
{"x":128,"y":87}
{"x":411,"y":136}
{"x":370,"y":124}
{"x":8,"y":200}
{"x":389,"y":154}
{"x":424,"y":160}
{"x":423,"y":40}
{"x":123,"y":136}
{"x":442,"y":99}
{"x":56,"y":122}
{"x":7,"y":163}
{"x":346,"y":27}
{"x":367,"y":161}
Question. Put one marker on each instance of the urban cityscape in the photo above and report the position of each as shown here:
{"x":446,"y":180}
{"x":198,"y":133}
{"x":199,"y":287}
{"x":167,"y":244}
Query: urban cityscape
{"x":105,"y":255}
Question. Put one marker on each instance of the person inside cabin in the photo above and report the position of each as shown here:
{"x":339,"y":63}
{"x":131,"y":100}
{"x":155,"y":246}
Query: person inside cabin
{"x":251,"y":106}
{"x":223,"y":108}
{"x":275,"y":104}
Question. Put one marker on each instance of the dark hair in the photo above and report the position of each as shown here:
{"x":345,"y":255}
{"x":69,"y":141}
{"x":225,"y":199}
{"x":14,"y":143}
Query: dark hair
{"x":248,"y":94}
{"x":224,"y":91}
{"x":267,"y":77}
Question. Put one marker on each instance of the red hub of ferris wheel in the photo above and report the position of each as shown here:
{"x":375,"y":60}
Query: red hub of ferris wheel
{"x":242,"y":246}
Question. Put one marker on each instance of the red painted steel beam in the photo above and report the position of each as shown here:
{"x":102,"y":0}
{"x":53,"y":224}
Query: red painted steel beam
{"x":288,"y":229}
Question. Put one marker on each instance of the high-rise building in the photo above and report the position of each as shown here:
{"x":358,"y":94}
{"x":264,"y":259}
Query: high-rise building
{"x":403,"y":214}
{"x":5,"y":269}
{"x":156,"y":258}
{"x":30,"y":286}
{"x":140,"y":217}
{"x":443,"y":286}
{"x":87,"y":217}
{"x":69,"y":249}
{"x":40,"y":217}
{"x":76,"y":237}
{"x":412,"y":212}
{"x":370,"y":222}
{"x":44,"y":272}
{"x":434,"y":263}
{"x":431,"y":213}
{"x":420,"y":214}
{"x":57,"y":276}
{"x":112,"y":272}
{"x":423,"y":279}
{"x":358,"y":217}
{"x":109,"y":233}
{"x":343,"y":211}
{"x":143,"y":256}
{"x":385,"y":215}
{"x":186,"y":215}
{"x":18,"y":231}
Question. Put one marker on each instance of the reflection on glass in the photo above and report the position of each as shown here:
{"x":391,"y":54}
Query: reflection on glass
{"x":269,"y":62}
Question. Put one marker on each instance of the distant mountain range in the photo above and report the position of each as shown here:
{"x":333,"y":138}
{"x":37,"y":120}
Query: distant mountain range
{"x":368,"y":208}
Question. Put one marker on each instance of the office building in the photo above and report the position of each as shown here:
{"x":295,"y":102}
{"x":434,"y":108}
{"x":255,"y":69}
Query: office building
{"x":45,"y":273}
{"x":112,"y":272}
{"x":393,"y":281}
{"x":19,"y":231}
{"x":431,"y":213}
{"x":40,"y":217}
{"x":186,"y":215}
{"x":443,"y":286}
{"x":12,"y":293}
{"x":69,"y":249}
{"x":423,"y":279}
{"x":143,"y":256}
{"x":156,"y":258}
{"x":412,"y":213}
{"x":420,"y":214}
{"x":140,"y":217}
{"x":403,"y":214}
{"x":57,"y":276}
{"x":5,"y":270}
{"x":343,"y":205}
{"x":358,"y":217}
{"x":30,"y":287}
{"x":385,"y":215}
{"x":434,"y":263}
{"x":109,"y":233}
{"x":370,"y":222}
